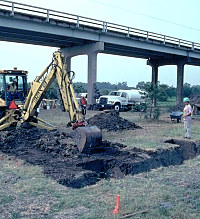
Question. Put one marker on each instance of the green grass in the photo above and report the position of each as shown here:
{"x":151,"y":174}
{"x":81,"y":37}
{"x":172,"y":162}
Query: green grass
{"x":165,"y":192}
{"x":172,"y":192}
{"x":167,"y":104}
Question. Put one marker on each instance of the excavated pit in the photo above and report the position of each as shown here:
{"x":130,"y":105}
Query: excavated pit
{"x":58,"y":155}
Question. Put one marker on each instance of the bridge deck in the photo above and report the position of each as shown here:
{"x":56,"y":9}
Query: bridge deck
{"x":34,"y":25}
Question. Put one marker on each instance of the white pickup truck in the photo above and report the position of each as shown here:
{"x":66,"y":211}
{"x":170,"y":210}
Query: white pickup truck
{"x":121,"y":99}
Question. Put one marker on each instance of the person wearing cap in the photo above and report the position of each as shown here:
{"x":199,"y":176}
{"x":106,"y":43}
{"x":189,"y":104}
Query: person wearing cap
{"x":13,"y":86}
{"x":187,"y":112}
{"x":12,"y":90}
{"x":83,"y":102}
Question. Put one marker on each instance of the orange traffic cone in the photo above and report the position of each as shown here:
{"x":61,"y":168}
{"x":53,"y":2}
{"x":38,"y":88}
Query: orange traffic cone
{"x":116,"y":210}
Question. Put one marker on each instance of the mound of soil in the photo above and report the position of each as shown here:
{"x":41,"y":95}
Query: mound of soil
{"x":57,"y":154}
{"x":194,"y":100}
{"x":111,"y":121}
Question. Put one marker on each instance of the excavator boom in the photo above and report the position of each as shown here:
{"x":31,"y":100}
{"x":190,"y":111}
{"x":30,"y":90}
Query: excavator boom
{"x":85,"y":136}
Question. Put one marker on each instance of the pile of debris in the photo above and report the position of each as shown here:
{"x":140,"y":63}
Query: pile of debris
{"x":194,"y":101}
{"x":111,"y":121}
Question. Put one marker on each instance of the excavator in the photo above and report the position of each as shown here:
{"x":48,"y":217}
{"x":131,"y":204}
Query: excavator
{"x":18,"y":106}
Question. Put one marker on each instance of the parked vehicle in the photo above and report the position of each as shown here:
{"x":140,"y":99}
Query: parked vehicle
{"x":121,"y":99}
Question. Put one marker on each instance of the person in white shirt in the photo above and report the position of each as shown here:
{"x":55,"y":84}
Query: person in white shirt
{"x":187,"y":112}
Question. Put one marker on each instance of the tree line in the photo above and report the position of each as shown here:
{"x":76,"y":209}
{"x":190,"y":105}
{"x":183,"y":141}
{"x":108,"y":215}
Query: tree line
{"x":165,"y":91}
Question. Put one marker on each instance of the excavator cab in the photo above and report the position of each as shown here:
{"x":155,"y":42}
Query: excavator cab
{"x":13,"y":86}
{"x":13,"y":91}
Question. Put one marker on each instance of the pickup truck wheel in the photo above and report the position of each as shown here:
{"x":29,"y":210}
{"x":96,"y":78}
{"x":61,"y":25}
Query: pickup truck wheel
{"x":117,"y":107}
{"x":100,"y":109}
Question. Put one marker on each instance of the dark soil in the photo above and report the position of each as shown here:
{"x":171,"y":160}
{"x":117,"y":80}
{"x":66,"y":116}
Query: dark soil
{"x":57,"y":154}
{"x":111,"y":121}
{"x":194,"y":101}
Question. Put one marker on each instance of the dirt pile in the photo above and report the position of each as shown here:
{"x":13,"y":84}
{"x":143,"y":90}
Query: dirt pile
{"x":58,"y":143}
{"x":194,"y":100}
{"x":111,"y":121}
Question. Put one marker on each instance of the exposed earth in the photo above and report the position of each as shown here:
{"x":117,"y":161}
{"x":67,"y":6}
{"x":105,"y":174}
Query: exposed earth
{"x":194,"y":101}
{"x":111,"y":121}
{"x":58,"y":155}
{"x":26,"y":194}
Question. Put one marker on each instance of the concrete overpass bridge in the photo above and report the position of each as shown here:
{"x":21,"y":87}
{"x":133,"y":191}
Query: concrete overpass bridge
{"x":78,"y":35}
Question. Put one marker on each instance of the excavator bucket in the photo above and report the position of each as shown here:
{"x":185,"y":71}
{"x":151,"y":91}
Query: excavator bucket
{"x":87,"y":138}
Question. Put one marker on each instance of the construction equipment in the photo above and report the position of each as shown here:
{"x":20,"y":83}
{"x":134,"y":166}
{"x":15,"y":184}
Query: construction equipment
{"x":13,"y":91}
{"x":26,"y":112}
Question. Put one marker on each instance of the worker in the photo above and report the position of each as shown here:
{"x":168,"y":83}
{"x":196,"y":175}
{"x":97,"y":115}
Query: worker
{"x":13,"y":87}
{"x":14,"y":93}
{"x":12,"y":90}
{"x":83,"y":102}
{"x":187,"y":112}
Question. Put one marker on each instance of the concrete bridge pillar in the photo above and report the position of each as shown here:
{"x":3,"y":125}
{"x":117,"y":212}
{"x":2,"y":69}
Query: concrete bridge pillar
{"x":68,"y":61}
{"x":154,"y":78}
{"x":91,"y":50}
{"x":180,"y":72}
{"x":180,"y":79}
{"x":92,"y":77}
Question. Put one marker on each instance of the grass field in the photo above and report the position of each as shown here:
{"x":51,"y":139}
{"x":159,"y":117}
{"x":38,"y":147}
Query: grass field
{"x":166,"y":192}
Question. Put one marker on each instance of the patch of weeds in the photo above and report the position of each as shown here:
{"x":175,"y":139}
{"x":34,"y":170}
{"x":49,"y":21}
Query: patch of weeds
{"x":163,"y":211}
{"x":6,"y":199}
{"x":15,"y":215}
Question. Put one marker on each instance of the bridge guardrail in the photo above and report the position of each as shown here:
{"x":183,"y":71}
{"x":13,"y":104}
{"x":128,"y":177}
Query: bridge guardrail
{"x":48,"y":14}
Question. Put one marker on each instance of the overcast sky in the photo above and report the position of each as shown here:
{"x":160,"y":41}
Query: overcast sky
{"x":177,"y":18}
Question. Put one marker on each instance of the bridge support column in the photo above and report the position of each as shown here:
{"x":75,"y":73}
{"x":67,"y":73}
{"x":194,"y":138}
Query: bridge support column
{"x":180,"y":79}
{"x":92,"y":77}
{"x":154,"y":80}
{"x":68,"y":60}
{"x":91,"y":50}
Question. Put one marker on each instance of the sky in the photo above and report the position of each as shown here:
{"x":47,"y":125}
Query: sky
{"x":177,"y":18}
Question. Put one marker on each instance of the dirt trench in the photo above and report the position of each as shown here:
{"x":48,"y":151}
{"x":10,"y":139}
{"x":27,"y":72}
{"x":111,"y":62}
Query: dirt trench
{"x":58,"y":155}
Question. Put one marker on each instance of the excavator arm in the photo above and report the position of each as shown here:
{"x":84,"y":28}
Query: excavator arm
{"x":55,"y":70}
{"x":86,"y":137}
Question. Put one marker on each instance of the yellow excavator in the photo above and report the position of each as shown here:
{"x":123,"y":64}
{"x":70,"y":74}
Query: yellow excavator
{"x":17,"y":105}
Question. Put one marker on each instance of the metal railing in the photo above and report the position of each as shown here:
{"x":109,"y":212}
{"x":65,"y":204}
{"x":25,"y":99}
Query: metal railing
{"x":47,"y":15}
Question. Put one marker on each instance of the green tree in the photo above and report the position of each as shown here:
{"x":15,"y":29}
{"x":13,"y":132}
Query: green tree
{"x":151,"y":94}
{"x":79,"y":88}
{"x":52,"y":91}
{"x":187,"y":90}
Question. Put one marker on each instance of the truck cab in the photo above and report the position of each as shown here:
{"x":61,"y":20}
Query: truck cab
{"x":13,"y":87}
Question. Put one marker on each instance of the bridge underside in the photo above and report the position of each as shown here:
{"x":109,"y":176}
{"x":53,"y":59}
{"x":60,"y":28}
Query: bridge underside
{"x":30,"y":30}
{"x":54,"y":40}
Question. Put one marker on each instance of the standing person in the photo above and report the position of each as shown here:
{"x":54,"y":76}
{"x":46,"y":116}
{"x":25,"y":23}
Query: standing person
{"x":83,"y":105}
{"x":187,"y":112}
